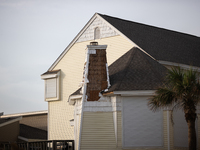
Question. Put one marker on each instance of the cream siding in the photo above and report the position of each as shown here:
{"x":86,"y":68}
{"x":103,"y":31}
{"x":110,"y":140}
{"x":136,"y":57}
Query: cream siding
{"x":119,"y":129}
{"x":71,"y":65}
{"x":98,"y":131}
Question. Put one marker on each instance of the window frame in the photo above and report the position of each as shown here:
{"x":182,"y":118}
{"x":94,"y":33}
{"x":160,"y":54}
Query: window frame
{"x":97,"y":33}
{"x":51,"y":76}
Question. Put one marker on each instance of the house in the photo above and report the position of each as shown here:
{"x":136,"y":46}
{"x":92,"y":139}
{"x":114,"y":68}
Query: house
{"x":23,"y":127}
{"x":97,"y":90}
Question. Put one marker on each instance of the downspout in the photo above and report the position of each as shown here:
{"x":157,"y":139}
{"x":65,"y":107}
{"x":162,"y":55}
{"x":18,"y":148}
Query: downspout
{"x":83,"y":97}
{"x":168,"y":136}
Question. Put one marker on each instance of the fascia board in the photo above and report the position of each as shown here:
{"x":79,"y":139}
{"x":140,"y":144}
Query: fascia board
{"x":73,"y":98}
{"x":135,"y":93}
{"x":73,"y":42}
{"x":120,"y":33}
{"x":23,"y":138}
{"x":25,"y":114}
{"x":48,"y":76}
{"x":11,"y":121}
{"x":187,"y":67}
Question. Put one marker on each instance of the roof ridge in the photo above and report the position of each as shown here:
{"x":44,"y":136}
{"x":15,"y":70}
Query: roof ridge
{"x":147,"y":59}
{"x":128,"y":64}
{"x":152,"y":26}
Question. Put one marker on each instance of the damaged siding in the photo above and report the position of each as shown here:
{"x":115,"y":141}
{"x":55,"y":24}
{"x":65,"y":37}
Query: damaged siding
{"x":71,"y":66}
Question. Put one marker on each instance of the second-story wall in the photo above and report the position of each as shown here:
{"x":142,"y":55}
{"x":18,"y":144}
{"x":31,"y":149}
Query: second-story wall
{"x":71,"y":65}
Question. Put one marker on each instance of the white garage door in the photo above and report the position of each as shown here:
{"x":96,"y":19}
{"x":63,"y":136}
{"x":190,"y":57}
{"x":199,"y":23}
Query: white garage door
{"x":141,"y":126}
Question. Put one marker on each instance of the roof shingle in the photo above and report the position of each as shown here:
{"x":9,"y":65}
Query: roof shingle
{"x":135,"y":70}
{"x":162,"y":44}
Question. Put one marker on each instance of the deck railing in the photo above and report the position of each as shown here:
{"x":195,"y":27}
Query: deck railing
{"x":42,"y":145}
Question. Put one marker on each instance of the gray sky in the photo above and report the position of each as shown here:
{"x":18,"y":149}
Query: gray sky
{"x":33,"y":33}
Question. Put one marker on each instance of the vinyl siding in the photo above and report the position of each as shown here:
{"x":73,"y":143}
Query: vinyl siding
{"x":71,"y":65}
{"x":119,"y":129}
{"x":10,"y":132}
{"x":37,"y":121}
{"x":98,"y":131}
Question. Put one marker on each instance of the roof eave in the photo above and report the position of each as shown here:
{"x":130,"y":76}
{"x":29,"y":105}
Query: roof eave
{"x":73,"y":42}
{"x":131,"y":93}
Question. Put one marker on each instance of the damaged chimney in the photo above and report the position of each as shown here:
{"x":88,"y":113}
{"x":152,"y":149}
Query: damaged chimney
{"x":97,"y":71}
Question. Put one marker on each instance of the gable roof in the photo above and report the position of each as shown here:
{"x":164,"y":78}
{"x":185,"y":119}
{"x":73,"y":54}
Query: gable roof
{"x":161,"y":44}
{"x":6,"y":121}
{"x":135,"y":70}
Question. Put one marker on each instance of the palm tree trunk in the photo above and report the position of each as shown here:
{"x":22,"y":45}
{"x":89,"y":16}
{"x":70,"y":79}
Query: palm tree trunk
{"x":190,"y":118}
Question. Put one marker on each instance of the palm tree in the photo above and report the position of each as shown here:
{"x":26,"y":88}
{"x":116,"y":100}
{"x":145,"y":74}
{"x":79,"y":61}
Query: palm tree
{"x":181,"y":90}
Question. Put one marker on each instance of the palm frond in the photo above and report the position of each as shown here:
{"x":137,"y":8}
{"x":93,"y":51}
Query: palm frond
{"x":163,"y":98}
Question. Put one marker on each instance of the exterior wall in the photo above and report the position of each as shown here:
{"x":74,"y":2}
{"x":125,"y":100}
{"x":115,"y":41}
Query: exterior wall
{"x":37,"y":121}
{"x":71,"y":65}
{"x":165,"y":134}
{"x":10,"y":132}
{"x":119,"y":129}
{"x":98,"y":131}
{"x":140,"y":126}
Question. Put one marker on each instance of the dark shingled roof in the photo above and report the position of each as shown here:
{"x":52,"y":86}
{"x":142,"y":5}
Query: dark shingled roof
{"x":77,"y":92}
{"x":135,"y":70}
{"x":3,"y":120}
{"x":162,"y":44}
{"x":32,"y":133}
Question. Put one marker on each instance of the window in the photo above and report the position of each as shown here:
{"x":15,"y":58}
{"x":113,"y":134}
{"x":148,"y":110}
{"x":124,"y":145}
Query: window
{"x":97,"y":33}
{"x":52,"y":79}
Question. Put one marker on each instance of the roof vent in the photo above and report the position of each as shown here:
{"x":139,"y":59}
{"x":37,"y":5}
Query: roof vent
{"x":94,"y":43}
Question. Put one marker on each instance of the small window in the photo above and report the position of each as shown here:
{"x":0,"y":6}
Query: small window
{"x":51,"y":85}
{"x":96,"y":33}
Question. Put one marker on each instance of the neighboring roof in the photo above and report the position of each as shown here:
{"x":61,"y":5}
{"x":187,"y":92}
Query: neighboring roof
{"x":25,"y":114}
{"x":6,"y":121}
{"x":135,"y":70}
{"x":162,"y":44}
{"x":29,"y":132}
{"x":77,"y":92}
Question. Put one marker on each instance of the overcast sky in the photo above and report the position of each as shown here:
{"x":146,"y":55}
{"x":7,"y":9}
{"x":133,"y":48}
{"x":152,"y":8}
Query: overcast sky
{"x":33,"y":33}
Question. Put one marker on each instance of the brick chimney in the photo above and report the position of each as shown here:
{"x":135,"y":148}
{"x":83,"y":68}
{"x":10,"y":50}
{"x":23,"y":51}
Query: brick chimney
{"x":97,"y":75}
